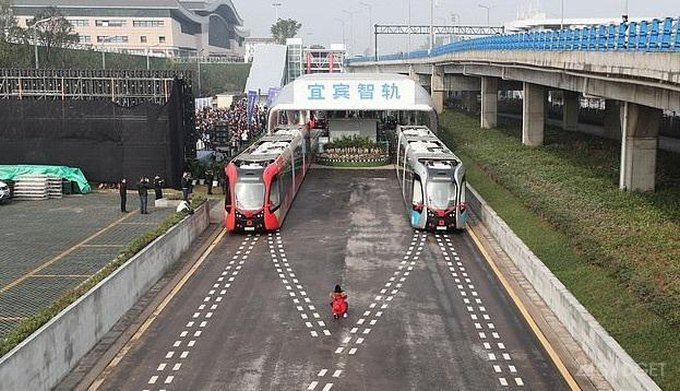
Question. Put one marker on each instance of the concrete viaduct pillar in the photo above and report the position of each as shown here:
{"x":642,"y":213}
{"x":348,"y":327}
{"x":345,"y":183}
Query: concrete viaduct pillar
{"x":612,"y":119}
{"x":571,"y":104}
{"x":489,"y":113}
{"x":639,"y":141}
{"x":437,"y":88}
{"x":533,"y":114}
{"x":412,"y":74}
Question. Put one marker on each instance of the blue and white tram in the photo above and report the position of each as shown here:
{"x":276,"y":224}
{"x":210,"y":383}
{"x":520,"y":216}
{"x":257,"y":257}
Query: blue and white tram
{"x":432,"y":180}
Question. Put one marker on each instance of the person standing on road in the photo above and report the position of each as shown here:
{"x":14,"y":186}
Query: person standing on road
{"x":122,"y":189}
{"x":143,"y":191}
{"x":186,"y":182}
{"x":158,"y":186}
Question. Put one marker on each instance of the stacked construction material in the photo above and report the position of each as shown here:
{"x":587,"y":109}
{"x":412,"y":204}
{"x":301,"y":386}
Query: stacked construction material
{"x":37,"y":187}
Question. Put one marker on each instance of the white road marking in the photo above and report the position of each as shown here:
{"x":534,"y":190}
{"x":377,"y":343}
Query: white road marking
{"x":353,"y":351}
{"x":312,"y":385}
{"x":518,"y":381}
{"x":161,"y":367}
{"x":169,"y":379}
{"x":153,"y":379}
{"x":327,"y":387}
{"x":177,"y":367}
{"x":322,"y":372}
{"x":503,"y":381}
{"x":337,"y":373}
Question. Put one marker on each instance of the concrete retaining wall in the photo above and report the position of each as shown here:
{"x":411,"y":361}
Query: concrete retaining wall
{"x":44,"y":358}
{"x":611,"y":360}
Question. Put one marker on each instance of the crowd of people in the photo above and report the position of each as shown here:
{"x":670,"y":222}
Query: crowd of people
{"x":235,"y":119}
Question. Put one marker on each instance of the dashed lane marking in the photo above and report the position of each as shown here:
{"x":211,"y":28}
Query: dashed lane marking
{"x":296,"y":291}
{"x":391,"y":287}
{"x":203,"y":318}
{"x":529,"y":319}
{"x":466,"y":290}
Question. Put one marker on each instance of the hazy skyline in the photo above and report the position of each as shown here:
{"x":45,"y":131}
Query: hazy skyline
{"x":320,"y":24}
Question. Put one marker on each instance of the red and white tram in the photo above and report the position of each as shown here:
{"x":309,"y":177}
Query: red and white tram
{"x":262,"y":181}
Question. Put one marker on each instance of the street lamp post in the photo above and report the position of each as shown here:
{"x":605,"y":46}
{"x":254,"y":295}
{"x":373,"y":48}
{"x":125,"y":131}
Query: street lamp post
{"x":561,"y":14}
{"x":35,"y":37}
{"x":198,"y":61}
{"x":276,"y":11}
{"x":409,"y":27}
{"x":455,"y":20}
{"x":343,"y":30}
{"x":107,"y":39}
{"x":431,"y":24}
{"x":370,"y":24}
{"x":148,"y":50}
{"x":488,"y":11}
{"x":351,"y":27}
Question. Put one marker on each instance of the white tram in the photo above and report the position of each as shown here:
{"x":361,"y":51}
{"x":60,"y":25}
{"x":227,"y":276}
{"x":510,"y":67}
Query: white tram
{"x":432,"y":180}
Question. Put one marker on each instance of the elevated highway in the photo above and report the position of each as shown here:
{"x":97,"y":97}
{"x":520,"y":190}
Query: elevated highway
{"x":634,"y":67}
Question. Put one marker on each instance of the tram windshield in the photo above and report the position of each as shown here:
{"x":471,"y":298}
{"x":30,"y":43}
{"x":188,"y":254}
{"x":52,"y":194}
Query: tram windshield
{"x":249,"y":195}
{"x":441,"y":194}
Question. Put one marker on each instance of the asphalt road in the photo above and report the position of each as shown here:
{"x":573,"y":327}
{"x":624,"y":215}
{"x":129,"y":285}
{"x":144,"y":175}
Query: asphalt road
{"x":425,"y":311}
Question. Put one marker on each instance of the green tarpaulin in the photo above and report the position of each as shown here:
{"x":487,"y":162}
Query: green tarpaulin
{"x":13,"y":172}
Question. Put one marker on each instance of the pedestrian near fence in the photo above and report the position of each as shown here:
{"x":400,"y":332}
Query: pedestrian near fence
{"x":143,"y":191}
{"x":122,"y":189}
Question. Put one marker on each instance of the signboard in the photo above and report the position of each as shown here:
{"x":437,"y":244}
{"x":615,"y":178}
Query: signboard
{"x":354,"y":94}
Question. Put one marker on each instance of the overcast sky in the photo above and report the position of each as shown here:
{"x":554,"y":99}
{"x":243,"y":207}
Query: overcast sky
{"x":320,"y":24}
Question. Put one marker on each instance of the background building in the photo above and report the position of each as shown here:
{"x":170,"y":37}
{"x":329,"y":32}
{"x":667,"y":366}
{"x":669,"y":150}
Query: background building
{"x":249,"y":45}
{"x":171,"y":28}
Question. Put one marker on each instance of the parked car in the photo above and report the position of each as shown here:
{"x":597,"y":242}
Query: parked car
{"x":4,"y":192}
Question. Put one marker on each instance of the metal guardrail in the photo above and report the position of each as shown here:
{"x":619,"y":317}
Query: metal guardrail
{"x":657,"y":35}
{"x":393,"y":29}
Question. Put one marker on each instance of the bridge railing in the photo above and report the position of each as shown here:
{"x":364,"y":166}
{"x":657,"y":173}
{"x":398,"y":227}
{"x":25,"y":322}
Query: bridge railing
{"x":661,"y":35}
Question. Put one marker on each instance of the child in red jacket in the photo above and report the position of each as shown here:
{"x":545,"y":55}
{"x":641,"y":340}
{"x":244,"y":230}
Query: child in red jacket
{"x":339,"y":302}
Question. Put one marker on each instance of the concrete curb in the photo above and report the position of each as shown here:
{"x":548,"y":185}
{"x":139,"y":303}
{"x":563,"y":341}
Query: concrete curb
{"x":49,"y":354}
{"x":620,"y":370}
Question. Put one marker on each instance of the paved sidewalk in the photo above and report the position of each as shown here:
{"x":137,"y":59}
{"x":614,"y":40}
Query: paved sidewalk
{"x":50,"y":247}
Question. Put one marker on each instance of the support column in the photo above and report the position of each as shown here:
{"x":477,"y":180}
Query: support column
{"x":639,"y":143}
{"x":571,"y":103}
{"x":533,"y":114}
{"x":612,"y":119}
{"x":413,"y":75}
{"x":437,"y":88}
{"x":489,"y":113}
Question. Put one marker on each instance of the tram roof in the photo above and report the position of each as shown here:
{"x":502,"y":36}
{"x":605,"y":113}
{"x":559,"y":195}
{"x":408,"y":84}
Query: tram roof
{"x":354,"y":91}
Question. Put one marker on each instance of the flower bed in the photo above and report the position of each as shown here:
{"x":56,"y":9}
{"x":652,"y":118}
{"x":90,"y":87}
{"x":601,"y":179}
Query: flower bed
{"x":354,"y":152}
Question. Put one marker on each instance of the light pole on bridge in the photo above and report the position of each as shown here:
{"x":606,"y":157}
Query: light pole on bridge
{"x":488,"y":12}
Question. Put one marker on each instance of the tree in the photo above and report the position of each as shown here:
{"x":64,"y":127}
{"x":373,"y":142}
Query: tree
{"x":56,"y":32}
{"x":9,"y":29}
{"x":284,"y":29}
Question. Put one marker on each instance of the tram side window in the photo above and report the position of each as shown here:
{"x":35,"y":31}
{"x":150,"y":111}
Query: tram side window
{"x":417,"y":199}
{"x":275,"y":194}
{"x":227,"y":195}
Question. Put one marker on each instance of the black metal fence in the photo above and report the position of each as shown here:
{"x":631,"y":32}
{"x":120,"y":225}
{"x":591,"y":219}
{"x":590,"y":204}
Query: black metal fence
{"x":111,"y":124}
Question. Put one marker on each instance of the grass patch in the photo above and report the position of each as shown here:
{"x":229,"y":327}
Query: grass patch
{"x":30,"y":325}
{"x":617,"y":252}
